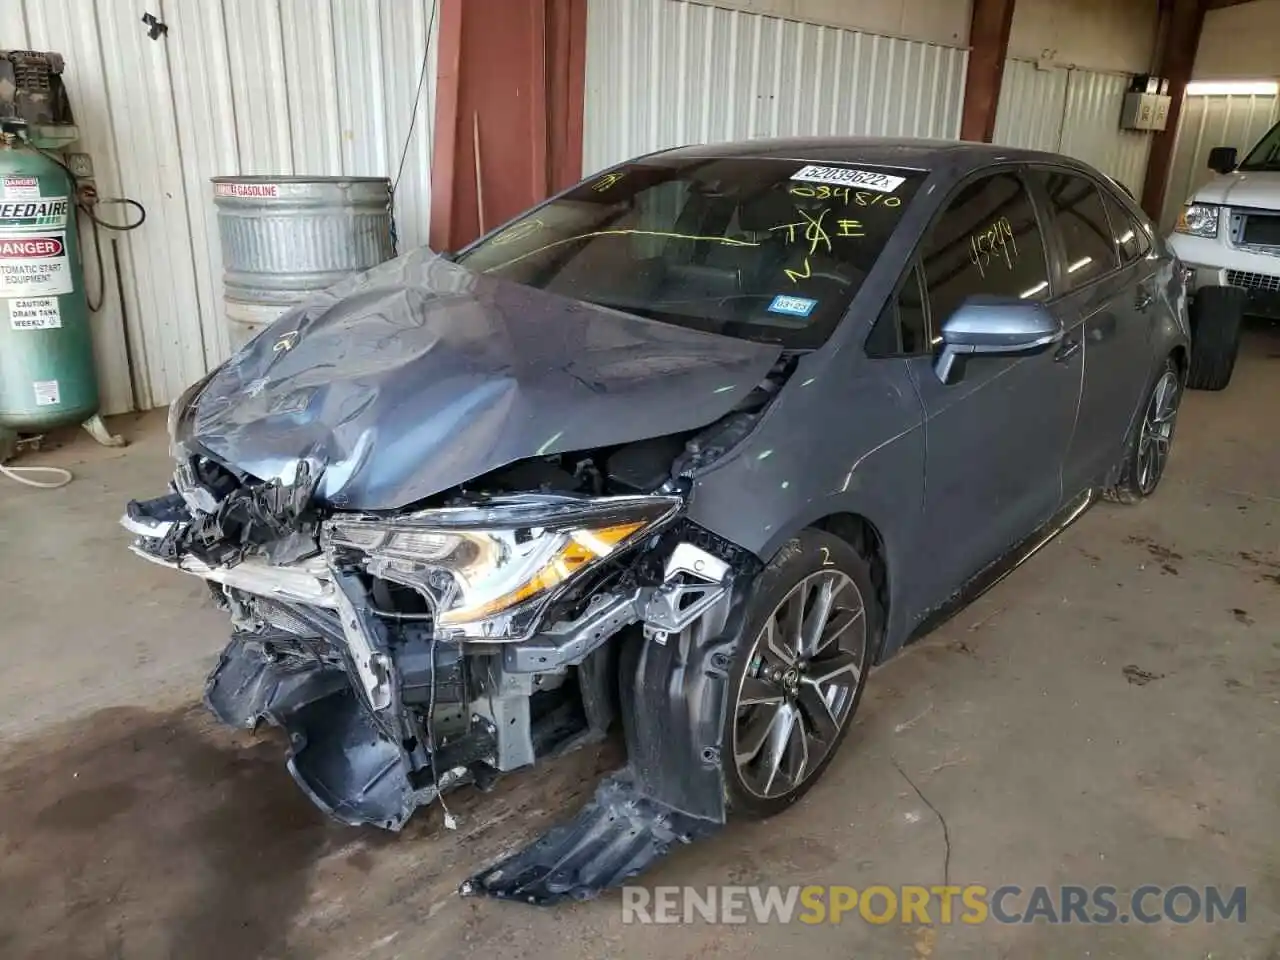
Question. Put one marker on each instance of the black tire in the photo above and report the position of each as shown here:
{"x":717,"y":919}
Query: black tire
{"x":1133,"y":483}
{"x":811,"y":552}
{"x":1216,"y":315}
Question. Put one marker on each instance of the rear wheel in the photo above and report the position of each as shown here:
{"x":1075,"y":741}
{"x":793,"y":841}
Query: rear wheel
{"x":1216,"y":315}
{"x":809,"y":640}
{"x":1148,"y":450}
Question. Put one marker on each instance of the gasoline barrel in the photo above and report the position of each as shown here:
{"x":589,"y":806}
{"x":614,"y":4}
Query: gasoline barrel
{"x":47,"y":376}
{"x":287,"y":238}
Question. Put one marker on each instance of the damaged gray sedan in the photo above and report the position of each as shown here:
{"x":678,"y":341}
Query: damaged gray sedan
{"x":688,"y":448}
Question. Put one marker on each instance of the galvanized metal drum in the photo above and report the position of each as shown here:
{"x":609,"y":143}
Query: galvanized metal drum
{"x":287,"y":238}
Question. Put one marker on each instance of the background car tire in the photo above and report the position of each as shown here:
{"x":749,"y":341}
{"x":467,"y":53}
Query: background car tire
{"x":1129,"y":486}
{"x":812,"y":552}
{"x":1216,"y":315}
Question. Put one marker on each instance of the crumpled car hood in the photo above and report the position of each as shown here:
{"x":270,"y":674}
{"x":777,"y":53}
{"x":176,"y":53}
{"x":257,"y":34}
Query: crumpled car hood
{"x":420,"y":375}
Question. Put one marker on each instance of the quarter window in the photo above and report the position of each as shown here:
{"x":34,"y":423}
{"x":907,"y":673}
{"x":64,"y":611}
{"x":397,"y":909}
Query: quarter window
{"x":986,"y":243}
{"x":1081,"y":221}
{"x":1131,"y":237}
{"x":901,"y":329}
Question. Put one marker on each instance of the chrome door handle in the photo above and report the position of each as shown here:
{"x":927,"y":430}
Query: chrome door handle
{"x":1145,"y":298}
{"x":1067,"y":351}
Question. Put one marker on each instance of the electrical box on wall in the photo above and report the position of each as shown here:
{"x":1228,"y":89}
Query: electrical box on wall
{"x":1146,"y":105}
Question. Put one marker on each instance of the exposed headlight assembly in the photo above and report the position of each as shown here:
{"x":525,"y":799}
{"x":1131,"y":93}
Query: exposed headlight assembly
{"x":1198,"y":220}
{"x":490,"y":571}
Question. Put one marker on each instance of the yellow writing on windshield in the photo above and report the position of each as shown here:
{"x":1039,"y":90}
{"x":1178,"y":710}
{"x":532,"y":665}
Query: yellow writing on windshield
{"x":871,"y":199}
{"x":794,"y":275}
{"x":814,"y":231}
{"x":519,"y":232}
{"x":607,"y":181}
{"x":849,"y":228}
{"x":727,"y":241}
{"x":820,"y":192}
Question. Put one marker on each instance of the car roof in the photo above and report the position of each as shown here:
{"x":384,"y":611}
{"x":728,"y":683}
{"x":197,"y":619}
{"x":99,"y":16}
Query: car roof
{"x":957,"y":157}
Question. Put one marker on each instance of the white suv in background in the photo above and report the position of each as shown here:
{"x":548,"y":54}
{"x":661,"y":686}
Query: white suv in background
{"x":1228,"y":235}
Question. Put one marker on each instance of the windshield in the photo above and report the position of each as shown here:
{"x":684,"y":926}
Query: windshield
{"x":1266,"y":155}
{"x":760,"y":249}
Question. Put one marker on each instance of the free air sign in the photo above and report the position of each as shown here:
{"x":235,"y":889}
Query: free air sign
{"x":34,"y":266}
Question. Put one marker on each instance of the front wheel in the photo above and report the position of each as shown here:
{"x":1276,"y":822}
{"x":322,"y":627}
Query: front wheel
{"x":1216,"y":317}
{"x":809,"y":640}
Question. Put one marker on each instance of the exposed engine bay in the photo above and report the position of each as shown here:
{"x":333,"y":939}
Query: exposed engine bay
{"x":495,"y":624}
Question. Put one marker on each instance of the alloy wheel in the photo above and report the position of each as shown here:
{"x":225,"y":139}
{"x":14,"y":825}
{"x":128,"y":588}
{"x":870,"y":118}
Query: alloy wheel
{"x":1157,"y":431}
{"x":800,"y":683}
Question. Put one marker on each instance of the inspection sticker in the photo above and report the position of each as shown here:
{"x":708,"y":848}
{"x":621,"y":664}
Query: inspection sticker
{"x":845,"y":177}
{"x":793,"y":306}
{"x":35,"y":313}
{"x":19,"y":188}
{"x":34,"y":266}
{"x":47,"y":394}
{"x":42,"y":212}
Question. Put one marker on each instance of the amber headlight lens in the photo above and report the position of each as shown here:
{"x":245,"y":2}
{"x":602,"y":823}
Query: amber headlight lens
{"x":491,"y":581}
{"x":1198,"y":220}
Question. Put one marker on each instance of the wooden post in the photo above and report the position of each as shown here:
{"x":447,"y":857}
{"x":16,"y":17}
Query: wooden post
{"x":510,"y":76}
{"x":1183,"y":22}
{"x":988,"y":48}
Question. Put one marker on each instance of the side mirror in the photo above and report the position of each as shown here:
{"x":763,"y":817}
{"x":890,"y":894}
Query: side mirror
{"x":1222,"y":159}
{"x":985,"y":325}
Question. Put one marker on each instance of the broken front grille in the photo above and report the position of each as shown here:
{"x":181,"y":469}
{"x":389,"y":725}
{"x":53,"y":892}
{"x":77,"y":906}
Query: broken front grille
{"x":1261,"y":230}
{"x":1253,"y":281}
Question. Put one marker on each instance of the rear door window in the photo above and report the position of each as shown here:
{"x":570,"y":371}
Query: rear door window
{"x":986,"y":242}
{"x":1088,"y":248}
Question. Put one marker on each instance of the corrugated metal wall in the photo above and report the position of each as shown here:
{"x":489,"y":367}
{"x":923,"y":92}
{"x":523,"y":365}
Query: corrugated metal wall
{"x":661,"y":73}
{"x":1071,"y":111}
{"x":319,"y":87}
{"x":1237,"y":120}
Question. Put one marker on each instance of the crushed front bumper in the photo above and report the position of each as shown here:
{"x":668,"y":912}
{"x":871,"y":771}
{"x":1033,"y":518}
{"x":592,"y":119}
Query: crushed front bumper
{"x":314,"y":655}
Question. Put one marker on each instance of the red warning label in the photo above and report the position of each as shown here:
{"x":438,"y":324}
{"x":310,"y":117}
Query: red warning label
{"x":34,"y":266}
{"x":35,"y":247}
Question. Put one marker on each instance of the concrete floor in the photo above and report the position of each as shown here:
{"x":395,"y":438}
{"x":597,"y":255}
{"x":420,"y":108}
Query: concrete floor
{"x":1108,"y":714}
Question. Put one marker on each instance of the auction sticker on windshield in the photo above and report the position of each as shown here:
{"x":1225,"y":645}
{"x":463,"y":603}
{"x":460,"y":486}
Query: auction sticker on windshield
{"x":34,"y":266}
{"x":846,"y":177}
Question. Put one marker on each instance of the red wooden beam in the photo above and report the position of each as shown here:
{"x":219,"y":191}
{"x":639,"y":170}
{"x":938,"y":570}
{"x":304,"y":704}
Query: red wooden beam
{"x":1183,"y":22}
{"x":988,"y":47}
{"x":511,"y":75}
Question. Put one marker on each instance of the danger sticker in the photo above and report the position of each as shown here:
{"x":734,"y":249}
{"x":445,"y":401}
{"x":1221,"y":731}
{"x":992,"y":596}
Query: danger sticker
{"x":262,"y":191}
{"x":34,"y":266}
{"x":35,"y":313}
{"x":19,"y":188}
{"x":47,"y":393}
{"x":46,"y":212}
{"x":846,"y":177}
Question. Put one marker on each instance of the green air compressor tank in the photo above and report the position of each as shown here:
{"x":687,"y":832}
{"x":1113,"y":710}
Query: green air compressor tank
{"x":47,"y":377}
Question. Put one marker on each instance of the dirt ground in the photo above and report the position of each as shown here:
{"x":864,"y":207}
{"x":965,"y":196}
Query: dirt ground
{"x":1108,"y":714}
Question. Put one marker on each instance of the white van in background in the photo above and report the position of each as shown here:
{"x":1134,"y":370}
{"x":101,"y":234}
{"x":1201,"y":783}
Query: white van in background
{"x":1228,"y":235}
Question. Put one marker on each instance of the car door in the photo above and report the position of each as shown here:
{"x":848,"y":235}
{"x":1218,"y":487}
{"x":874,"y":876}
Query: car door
{"x":997,"y":435}
{"x":1096,"y":290}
